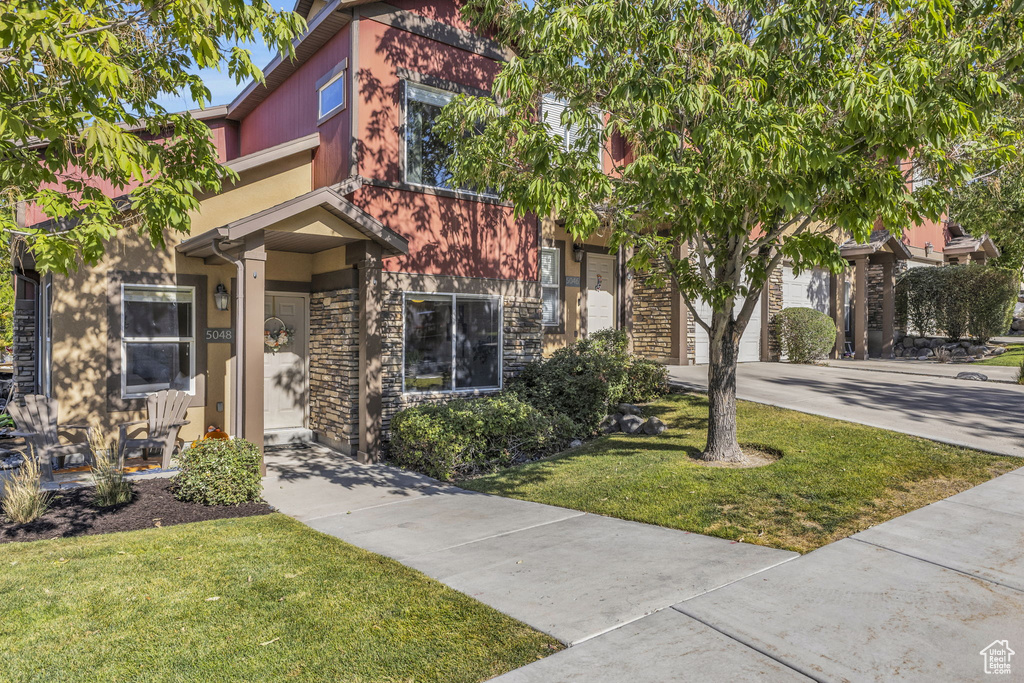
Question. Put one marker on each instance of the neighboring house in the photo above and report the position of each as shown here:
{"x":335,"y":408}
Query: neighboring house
{"x":392,"y":287}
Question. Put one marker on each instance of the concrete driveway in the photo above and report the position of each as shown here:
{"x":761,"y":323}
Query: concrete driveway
{"x":984,"y":415}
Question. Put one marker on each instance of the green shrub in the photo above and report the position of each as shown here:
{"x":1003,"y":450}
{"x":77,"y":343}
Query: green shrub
{"x":24,"y":499}
{"x":805,"y":334}
{"x":462,"y":437}
{"x":219,"y":472}
{"x":579,"y":381}
{"x":645,"y":381}
{"x":956,"y":301}
{"x":1020,"y":372}
{"x":993,"y":297}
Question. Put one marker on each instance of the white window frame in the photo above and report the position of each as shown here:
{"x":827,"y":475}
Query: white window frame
{"x":454,"y":323}
{"x":555,"y":286}
{"x":125,"y":340}
{"x":340,"y":76}
{"x":567,"y":132}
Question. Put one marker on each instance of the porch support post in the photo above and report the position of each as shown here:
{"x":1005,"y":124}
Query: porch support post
{"x":837,"y":291}
{"x":888,"y":305}
{"x":860,"y":315}
{"x":627,"y":295}
{"x":254,"y":260}
{"x":369,"y":266}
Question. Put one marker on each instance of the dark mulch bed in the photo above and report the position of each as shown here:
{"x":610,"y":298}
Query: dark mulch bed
{"x":72,"y":513}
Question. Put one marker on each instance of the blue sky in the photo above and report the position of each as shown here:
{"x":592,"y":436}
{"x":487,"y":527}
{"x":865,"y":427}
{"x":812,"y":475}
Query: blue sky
{"x":221,"y":85}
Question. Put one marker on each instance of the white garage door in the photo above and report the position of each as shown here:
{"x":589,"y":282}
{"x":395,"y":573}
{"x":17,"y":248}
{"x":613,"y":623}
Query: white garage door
{"x":750,"y":342}
{"x":809,"y":289}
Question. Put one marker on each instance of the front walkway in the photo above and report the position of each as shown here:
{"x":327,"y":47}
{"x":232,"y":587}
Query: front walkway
{"x":570,"y":574}
{"x":915,"y":598}
{"x":982,"y":415}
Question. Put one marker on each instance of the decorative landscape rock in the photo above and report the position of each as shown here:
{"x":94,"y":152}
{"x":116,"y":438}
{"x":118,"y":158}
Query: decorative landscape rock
{"x":629,"y":409}
{"x":575,"y":443}
{"x":610,"y":424}
{"x":11,"y":460}
{"x":925,"y":353}
{"x":654,"y":426}
{"x":631,"y":424}
{"x":998,"y":351}
{"x":975,"y":376}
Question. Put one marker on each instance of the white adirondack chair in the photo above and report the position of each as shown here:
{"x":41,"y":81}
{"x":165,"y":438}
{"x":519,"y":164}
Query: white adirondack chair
{"x":166,"y":411}
{"x":35,"y":417}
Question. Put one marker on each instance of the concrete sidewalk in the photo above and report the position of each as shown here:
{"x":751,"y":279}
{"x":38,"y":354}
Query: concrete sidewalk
{"x":914,"y":599}
{"x":570,"y":574}
{"x":982,"y":415}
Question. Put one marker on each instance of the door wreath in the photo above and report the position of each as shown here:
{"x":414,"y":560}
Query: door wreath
{"x":277,"y":335}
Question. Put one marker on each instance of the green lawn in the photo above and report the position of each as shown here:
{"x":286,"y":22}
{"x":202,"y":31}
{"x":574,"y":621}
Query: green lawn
{"x":253,"y":599}
{"x":834,"y":478}
{"x":1013,"y":357}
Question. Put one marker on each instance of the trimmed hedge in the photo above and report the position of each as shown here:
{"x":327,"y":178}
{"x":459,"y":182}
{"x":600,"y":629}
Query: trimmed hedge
{"x":805,"y":334}
{"x":957,"y":301}
{"x":219,"y":472}
{"x":466,"y":436}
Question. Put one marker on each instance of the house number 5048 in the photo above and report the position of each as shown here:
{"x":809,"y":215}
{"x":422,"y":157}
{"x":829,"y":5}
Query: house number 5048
{"x":220,"y":334}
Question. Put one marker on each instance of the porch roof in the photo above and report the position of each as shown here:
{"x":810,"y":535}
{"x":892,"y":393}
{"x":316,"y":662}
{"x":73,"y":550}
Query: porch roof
{"x":965,"y":244}
{"x":316,"y":221}
{"x":880,"y":241}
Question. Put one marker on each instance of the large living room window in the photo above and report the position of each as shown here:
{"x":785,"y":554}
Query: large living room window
{"x":158,"y":346}
{"x":551,"y":299}
{"x":452,"y":342}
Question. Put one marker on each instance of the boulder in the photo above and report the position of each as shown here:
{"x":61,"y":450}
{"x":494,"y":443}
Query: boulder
{"x":958,"y":351}
{"x":998,"y":350}
{"x":628,"y":409}
{"x":924,"y":354}
{"x":897,"y":351}
{"x":966,"y":344}
{"x":921,"y":342}
{"x":979,"y":350}
{"x":654,"y":426}
{"x":575,"y":443}
{"x":937,"y":343}
{"x":1017,"y":325}
{"x":975,"y":376}
{"x":631,"y":424}
{"x":610,"y":424}
{"x":908,"y":342}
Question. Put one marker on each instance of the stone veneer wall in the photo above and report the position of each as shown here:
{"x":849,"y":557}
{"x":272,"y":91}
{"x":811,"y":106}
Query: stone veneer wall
{"x":334,"y":367}
{"x":25,"y":346}
{"x":774,"y":308}
{"x":522,"y":343}
{"x":652,"y":320}
{"x":875,"y":297}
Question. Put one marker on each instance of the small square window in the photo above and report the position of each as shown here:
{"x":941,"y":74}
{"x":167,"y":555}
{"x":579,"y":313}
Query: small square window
{"x":332,"y":95}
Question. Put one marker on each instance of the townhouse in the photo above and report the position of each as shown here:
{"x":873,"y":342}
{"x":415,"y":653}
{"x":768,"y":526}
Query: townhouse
{"x":342,"y":277}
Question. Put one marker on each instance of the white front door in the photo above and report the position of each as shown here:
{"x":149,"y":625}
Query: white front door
{"x":750,"y":342}
{"x":285,"y":385}
{"x":601,"y":287}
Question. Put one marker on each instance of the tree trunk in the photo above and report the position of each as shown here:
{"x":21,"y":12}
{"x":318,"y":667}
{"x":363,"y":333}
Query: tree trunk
{"x":723,"y":353}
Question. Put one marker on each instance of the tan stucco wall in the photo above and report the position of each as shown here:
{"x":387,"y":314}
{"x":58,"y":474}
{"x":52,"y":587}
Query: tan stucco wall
{"x":80,"y":301}
{"x":550,"y":230}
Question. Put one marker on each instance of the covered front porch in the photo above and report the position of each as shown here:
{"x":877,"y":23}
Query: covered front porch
{"x":865,"y":324}
{"x":289,"y":260}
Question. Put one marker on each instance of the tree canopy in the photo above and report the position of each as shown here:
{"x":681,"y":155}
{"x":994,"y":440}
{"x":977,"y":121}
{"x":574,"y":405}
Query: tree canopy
{"x":739,"y":133}
{"x":994,"y":205}
{"x":82,"y":135}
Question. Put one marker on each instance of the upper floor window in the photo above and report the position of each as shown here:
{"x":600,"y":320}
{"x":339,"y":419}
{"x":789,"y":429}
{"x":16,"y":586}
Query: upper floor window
{"x":425,"y":154}
{"x":332,"y":95}
{"x":158,"y":345}
{"x":551,"y":110}
{"x":551,"y":299}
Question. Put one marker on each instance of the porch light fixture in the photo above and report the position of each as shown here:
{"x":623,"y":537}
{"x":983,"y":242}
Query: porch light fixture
{"x":221,"y":298}
{"x":928,"y":248}
{"x":577,"y":253}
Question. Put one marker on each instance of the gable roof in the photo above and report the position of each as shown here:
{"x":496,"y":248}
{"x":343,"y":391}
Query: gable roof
{"x":330,"y":199}
{"x":879,"y":240}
